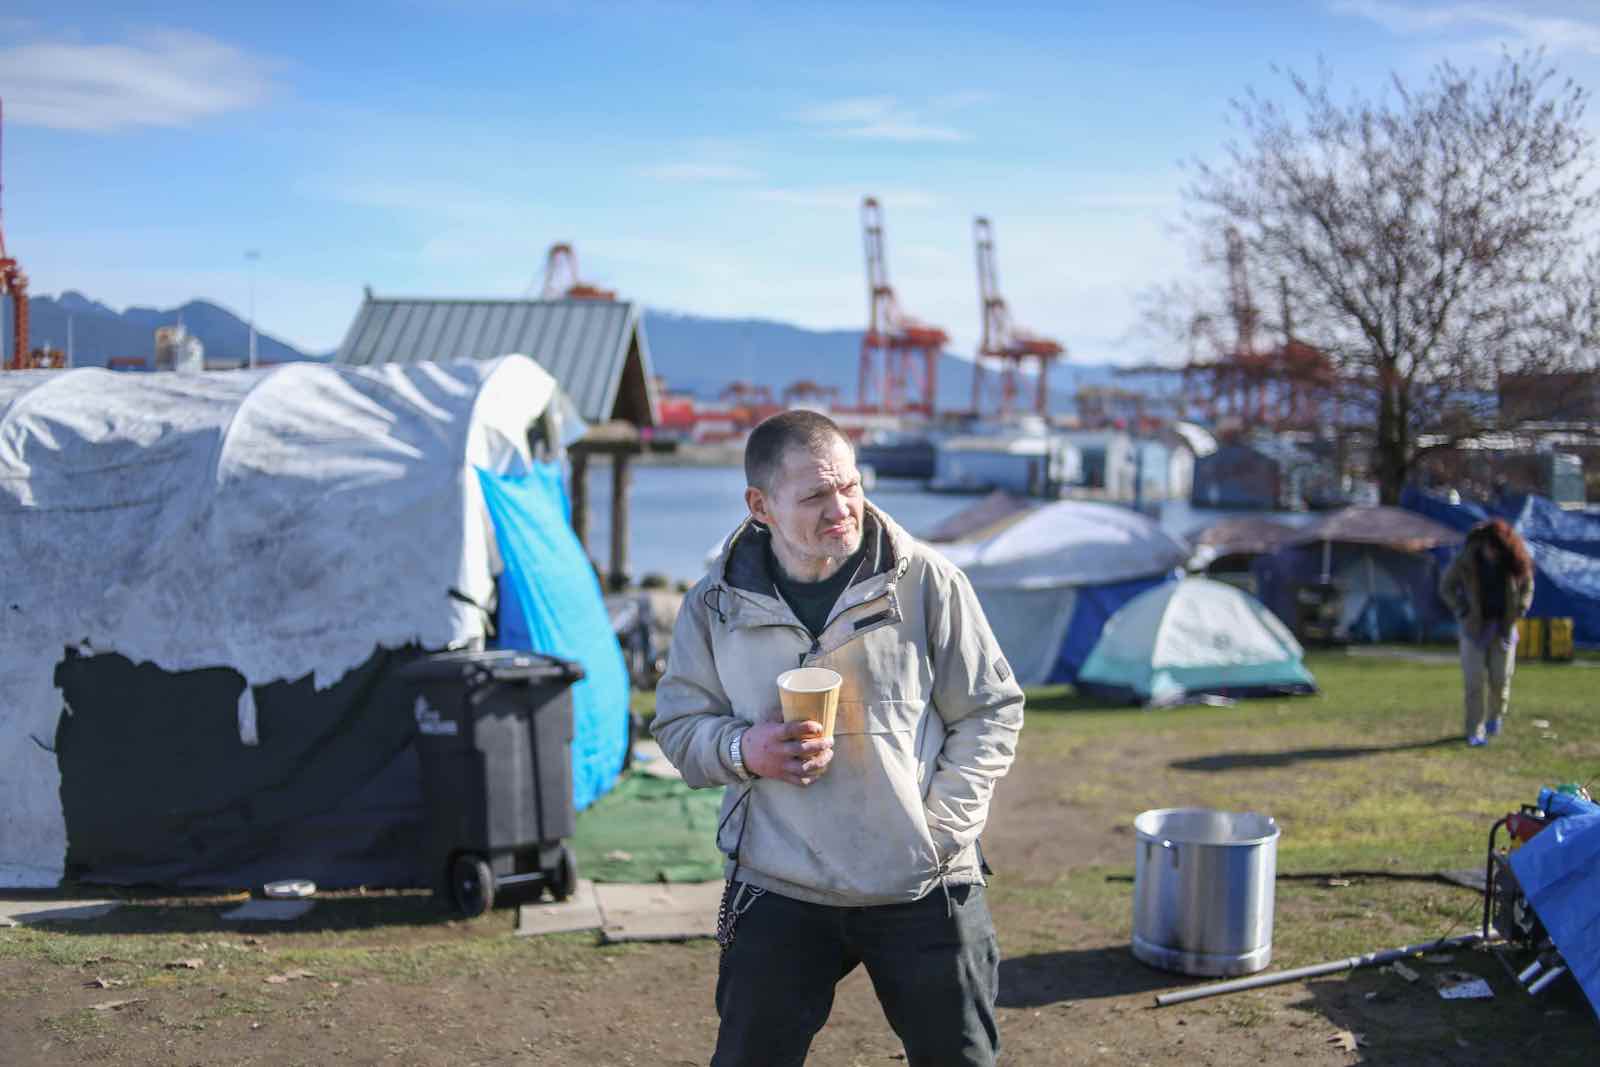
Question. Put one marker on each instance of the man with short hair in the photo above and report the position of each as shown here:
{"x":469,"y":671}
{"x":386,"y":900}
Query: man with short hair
{"x":863,"y":847}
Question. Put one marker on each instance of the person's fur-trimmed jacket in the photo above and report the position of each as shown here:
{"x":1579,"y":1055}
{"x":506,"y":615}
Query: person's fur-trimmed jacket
{"x":927,"y":722}
{"x":1458,"y":588}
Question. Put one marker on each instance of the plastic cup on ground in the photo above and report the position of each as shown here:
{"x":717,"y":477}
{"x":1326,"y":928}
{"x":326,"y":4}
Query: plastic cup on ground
{"x":810,"y":693}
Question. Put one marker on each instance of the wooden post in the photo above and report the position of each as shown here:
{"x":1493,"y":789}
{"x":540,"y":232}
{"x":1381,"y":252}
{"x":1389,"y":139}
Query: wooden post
{"x":580,"y":495}
{"x":621,"y":483}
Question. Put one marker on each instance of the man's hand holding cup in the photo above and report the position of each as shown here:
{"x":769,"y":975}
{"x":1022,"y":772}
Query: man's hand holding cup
{"x":793,"y":752}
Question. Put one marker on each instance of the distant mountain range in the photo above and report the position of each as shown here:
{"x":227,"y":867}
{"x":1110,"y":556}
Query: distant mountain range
{"x":100,"y":334}
{"x":694,"y":354}
{"x":701,"y":356}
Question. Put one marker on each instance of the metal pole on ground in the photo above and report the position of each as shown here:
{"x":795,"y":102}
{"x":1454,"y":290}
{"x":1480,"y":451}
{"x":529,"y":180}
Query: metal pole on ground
{"x":1371,"y":959}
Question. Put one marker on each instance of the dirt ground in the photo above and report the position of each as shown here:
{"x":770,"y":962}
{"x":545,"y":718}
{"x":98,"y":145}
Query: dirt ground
{"x":393,"y":980}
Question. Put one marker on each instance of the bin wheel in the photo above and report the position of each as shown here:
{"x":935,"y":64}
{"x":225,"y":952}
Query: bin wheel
{"x":471,"y":885}
{"x":563,"y":879}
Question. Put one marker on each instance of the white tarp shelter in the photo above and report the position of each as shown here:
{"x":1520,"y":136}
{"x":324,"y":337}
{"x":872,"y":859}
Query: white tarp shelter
{"x":282,"y":522}
{"x":1048,"y":582}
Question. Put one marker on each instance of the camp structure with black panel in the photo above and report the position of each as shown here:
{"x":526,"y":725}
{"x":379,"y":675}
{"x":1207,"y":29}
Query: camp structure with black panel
{"x":212,"y":581}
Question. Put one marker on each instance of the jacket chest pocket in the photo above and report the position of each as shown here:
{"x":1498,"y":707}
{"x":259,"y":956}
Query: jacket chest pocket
{"x":877,"y":717}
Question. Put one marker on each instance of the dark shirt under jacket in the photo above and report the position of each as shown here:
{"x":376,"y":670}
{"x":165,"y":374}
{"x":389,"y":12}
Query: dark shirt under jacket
{"x":813,"y":601}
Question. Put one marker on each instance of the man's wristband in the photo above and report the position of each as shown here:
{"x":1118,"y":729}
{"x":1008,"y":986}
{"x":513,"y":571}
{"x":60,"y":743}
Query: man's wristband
{"x":736,"y":755}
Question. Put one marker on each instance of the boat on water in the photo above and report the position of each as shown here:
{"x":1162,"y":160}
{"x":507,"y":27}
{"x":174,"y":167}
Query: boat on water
{"x":899,"y":454}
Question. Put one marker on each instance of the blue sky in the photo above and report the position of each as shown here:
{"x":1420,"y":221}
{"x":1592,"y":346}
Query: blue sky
{"x":703,"y":158}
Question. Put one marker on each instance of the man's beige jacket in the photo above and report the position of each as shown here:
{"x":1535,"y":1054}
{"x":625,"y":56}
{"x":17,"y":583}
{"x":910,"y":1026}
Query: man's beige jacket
{"x":927,"y":723}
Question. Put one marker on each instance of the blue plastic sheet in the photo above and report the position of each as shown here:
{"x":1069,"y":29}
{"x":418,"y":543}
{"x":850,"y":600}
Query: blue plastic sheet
{"x":1559,"y":871}
{"x":550,"y":601}
{"x":1565,"y":547}
{"x":1559,"y":805}
{"x":1539,"y":518}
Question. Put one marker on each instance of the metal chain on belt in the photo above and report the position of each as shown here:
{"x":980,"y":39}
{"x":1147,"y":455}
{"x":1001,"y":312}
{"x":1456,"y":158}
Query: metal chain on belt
{"x":737,"y":897}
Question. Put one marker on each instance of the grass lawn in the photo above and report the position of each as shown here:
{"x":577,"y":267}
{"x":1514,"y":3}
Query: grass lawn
{"x":1371,"y":775}
{"x":1369,"y":780}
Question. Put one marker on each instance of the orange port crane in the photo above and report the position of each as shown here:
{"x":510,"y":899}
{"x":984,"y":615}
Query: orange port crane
{"x":895,"y":343}
{"x":806,"y":391}
{"x":1003,"y":340}
{"x":14,"y":283}
{"x":562,"y":281}
{"x":1289,"y":385}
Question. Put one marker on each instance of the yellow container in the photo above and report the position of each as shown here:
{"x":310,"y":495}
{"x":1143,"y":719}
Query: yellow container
{"x":1558,"y":640}
{"x":1530,"y":639}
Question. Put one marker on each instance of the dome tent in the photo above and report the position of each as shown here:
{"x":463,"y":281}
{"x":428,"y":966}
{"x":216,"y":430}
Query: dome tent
{"x":223,"y":571}
{"x":1190,"y":637}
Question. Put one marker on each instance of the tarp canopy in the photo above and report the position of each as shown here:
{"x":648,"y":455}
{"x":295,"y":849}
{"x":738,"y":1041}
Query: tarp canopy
{"x":1190,"y":637}
{"x":1248,"y":536}
{"x":1385,"y":594}
{"x":1386,"y":527}
{"x":1049,"y":582}
{"x":1566,"y":580}
{"x":220,"y":570}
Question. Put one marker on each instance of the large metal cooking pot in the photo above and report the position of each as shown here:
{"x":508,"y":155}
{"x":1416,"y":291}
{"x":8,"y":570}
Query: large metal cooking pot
{"x":1203,"y":889}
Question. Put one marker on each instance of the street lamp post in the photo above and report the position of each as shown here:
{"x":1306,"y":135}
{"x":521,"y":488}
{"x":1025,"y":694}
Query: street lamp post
{"x":252,"y":256}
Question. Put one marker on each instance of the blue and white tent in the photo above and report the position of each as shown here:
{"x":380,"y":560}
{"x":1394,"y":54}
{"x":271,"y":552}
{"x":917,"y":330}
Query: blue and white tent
{"x":1190,"y":637}
{"x":1049,"y":581}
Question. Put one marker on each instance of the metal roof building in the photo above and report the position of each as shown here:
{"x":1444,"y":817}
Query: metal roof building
{"x":596,"y":349}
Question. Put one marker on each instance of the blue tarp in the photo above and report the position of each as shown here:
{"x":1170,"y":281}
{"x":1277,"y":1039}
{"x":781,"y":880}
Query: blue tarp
{"x":1565,"y":547}
{"x":1559,"y":871}
{"x":1538,"y":518}
{"x":1094,"y":607}
{"x":550,"y":601}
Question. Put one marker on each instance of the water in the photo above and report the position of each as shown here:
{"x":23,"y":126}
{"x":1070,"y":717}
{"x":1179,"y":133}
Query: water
{"x":680,"y":514}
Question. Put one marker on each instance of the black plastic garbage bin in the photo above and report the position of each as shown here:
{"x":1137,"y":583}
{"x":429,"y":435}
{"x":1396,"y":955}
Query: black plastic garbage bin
{"x":494,"y":733}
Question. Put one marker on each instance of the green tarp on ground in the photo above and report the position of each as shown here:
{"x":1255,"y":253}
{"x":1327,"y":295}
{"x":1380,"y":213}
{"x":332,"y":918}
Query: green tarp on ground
{"x":650,"y":829}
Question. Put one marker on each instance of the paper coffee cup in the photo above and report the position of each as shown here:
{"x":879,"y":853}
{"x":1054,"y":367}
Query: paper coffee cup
{"x":810,"y":693}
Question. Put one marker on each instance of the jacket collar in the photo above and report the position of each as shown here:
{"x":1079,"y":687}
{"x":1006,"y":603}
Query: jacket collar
{"x":742,"y":565}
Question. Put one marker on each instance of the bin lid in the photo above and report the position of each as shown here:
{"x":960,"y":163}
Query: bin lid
{"x":475,"y":667}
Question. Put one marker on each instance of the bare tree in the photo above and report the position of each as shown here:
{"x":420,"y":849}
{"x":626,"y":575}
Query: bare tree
{"x":1431,"y":239}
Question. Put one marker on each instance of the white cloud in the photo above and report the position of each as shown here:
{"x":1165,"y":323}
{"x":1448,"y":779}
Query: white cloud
{"x":896,"y":130}
{"x":845,"y":198}
{"x":162,"y":78}
{"x":698,"y":172}
{"x":1520,"y":28}
{"x":878,"y":118}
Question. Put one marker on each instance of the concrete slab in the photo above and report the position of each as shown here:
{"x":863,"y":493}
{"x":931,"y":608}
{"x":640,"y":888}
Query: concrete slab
{"x":51,"y":911}
{"x":269,"y":910}
{"x":647,"y":759}
{"x":581,"y":911}
{"x":659,"y":912}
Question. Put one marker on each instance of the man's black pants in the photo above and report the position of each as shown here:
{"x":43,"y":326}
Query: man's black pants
{"x":935,"y":965}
